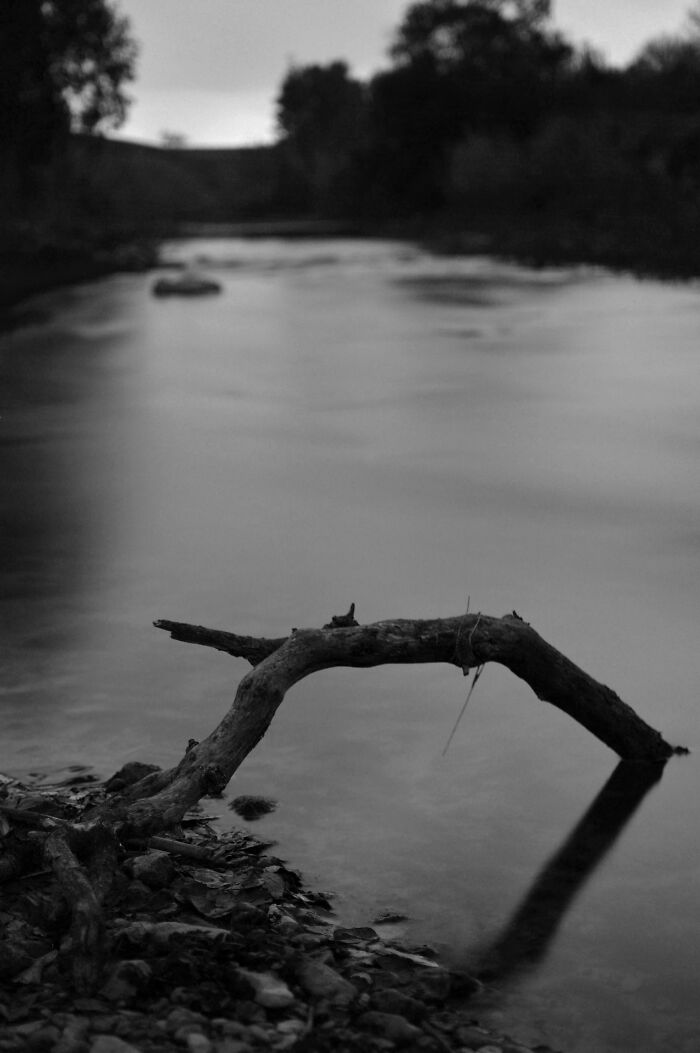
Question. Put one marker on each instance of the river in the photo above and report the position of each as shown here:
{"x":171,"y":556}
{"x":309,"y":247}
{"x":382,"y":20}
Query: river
{"x":361,"y":421}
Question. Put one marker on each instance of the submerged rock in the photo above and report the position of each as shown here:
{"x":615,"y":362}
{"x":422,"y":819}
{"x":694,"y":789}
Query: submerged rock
{"x":251,"y":808}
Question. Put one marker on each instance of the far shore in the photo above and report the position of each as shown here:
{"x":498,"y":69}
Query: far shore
{"x":553,"y":242}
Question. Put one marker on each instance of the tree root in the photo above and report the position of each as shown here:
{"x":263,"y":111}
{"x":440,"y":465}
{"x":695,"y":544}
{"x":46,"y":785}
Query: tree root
{"x":84,"y":889}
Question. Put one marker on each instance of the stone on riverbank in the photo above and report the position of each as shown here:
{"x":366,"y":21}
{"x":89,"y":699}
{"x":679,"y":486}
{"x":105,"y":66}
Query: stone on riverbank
{"x":233,"y":957}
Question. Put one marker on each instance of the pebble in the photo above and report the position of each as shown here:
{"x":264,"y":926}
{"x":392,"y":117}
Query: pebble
{"x":286,"y":924}
{"x":392,"y":1026}
{"x":263,"y":1034}
{"x":126,"y":979}
{"x":229,"y":1027}
{"x":46,"y":1038}
{"x":198,"y":1043}
{"x":184,"y":1033}
{"x":393,"y":1001}
{"x":73,"y":1038}
{"x":291,"y":1026}
{"x":321,"y":981}
{"x":29,"y":1028}
{"x":270,"y":991}
{"x":104,"y":1022}
{"x":474,"y":1037}
{"x":154,"y":869}
{"x":436,"y":984}
{"x":112,"y":1044}
{"x":308,"y":940}
{"x":181,"y":1015}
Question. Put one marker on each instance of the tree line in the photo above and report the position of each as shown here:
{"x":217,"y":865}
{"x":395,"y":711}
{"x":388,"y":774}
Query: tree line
{"x":64,"y":65}
{"x":484,"y":116}
{"x":486,"y":106}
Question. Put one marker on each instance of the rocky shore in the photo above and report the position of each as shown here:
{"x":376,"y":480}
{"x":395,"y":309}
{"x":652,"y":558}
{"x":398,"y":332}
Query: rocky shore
{"x":212,"y":945}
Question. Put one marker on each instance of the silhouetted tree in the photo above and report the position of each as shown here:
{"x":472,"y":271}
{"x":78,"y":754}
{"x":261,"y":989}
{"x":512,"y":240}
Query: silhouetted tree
{"x":441,"y":27}
{"x":63,"y":63}
{"x":173,"y":140}
{"x":666,"y":74}
{"x":32,"y":108}
{"x":502,"y":60}
{"x":414,"y":115}
{"x":321,"y":112}
{"x":92,"y":56}
{"x":458,"y":68}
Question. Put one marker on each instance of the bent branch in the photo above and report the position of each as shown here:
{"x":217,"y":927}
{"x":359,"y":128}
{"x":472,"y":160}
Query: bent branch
{"x":465,"y":641}
{"x":83,"y":855}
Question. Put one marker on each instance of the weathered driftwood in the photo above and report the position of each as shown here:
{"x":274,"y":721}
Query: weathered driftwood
{"x":160,"y":799}
{"x":466,"y":641}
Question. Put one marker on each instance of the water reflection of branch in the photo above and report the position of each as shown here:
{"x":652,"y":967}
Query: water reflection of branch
{"x":526,"y":937}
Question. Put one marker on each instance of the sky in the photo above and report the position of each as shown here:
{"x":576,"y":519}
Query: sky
{"x":210,"y":69}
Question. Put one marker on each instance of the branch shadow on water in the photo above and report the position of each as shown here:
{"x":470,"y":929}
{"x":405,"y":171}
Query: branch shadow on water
{"x":525,"y":939}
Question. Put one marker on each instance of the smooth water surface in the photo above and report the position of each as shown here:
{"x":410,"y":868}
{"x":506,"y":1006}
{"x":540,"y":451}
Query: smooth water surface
{"x":359,"y":421}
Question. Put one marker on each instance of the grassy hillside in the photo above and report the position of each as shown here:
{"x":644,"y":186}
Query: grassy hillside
{"x":147,"y":185}
{"x":100,"y":203}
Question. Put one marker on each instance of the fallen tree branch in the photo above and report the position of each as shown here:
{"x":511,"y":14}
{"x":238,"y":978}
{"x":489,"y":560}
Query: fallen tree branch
{"x":140,"y":802}
{"x":466,"y":641}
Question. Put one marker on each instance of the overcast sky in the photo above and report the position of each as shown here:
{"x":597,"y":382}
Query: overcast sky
{"x":210,"y":69}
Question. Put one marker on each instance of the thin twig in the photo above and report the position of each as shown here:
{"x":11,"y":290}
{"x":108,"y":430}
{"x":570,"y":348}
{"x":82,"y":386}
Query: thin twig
{"x":477,"y":674}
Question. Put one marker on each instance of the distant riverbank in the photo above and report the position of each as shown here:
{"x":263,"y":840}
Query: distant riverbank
{"x":648,"y":248}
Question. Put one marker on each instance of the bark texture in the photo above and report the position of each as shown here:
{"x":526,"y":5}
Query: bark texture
{"x":140,"y":802}
{"x":465,"y":641}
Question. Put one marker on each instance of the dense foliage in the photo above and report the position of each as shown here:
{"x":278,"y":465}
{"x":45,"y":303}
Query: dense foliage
{"x":92,"y":55}
{"x":485,"y":110}
{"x":63,"y":65}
